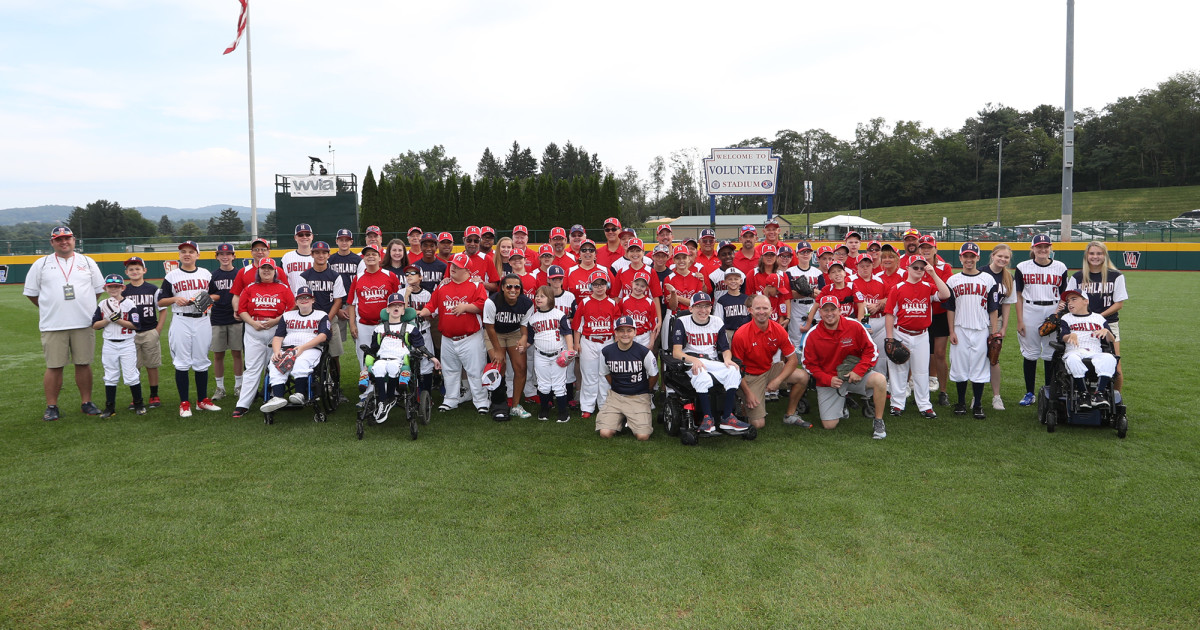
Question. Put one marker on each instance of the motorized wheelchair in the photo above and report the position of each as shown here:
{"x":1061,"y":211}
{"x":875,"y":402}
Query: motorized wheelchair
{"x":679,"y":415}
{"x":417,"y":403}
{"x":324,"y":390}
{"x":1058,"y":402}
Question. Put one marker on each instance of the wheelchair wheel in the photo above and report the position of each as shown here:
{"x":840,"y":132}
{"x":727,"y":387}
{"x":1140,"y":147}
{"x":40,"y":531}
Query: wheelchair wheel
{"x":332,"y":392}
{"x":802,"y":406}
{"x":269,"y":418}
{"x":1122,"y":424}
{"x":1051,"y":420}
{"x":750,"y":433}
{"x":687,"y":437}
{"x":672,"y":418}
{"x":1042,"y":405}
{"x":412,"y":426}
{"x":868,"y":407}
{"x":358,"y":426}
{"x":319,"y":416}
{"x":425,"y":406}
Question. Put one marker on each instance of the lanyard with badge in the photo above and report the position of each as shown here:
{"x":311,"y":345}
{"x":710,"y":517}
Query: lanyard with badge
{"x":68,"y":288}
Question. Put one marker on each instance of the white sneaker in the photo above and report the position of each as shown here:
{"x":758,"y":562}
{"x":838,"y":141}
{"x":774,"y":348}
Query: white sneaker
{"x":185,"y":409}
{"x":297,"y":399}
{"x":276,"y":403}
{"x":997,"y":403}
{"x":207,"y":405}
{"x":933,"y":383}
{"x":220,"y":393}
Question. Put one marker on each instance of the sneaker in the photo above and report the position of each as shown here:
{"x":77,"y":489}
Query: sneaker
{"x":732,"y":423}
{"x":237,"y":391}
{"x":1099,"y":401}
{"x":518,"y":412}
{"x":997,"y":403}
{"x":108,"y":413}
{"x":880,"y":430}
{"x":207,"y":405}
{"x":846,"y":412}
{"x":185,"y":409}
{"x":238,"y":412}
{"x":443,"y":408}
{"x":933,"y":383}
{"x":896,"y":411}
{"x":382,"y":410}
{"x":51,"y":413}
{"x":1085,"y":401}
{"x":707,"y":425}
{"x":1027,"y":400}
{"x":297,"y":399}
{"x":772,"y":396}
{"x":978,"y":413}
{"x":943,"y":399}
{"x":566,"y":417}
{"x":90,"y":408}
{"x":573,"y":405}
{"x":363,"y":382}
{"x":483,"y":411}
{"x":140,"y":410}
{"x":543,"y":415}
{"x":796,"y":421}
{"x":960,"y":409}
{"x":276,"y":403}
{"x":928,"y":414}
{"x":220,"y":393}
{"x":131,"y":407}
{"x":154,"y":402}
{"x":587,"y":414}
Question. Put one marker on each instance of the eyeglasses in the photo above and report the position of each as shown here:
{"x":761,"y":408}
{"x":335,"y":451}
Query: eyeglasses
{"x":309,"y":234}
{"x":412,"y":273}
{"x":587,"y":251}
{"x":472,"y":240}
{"x":610,"y":229}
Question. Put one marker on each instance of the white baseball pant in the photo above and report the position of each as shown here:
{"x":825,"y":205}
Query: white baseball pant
{"x":305,"y":363}
{"x":256,"y":352}
{"x":715,"y":372}
{"x":643,"y":339}
{"x":119,"y":358}
{"x":1033,"y":345}
{"x":917,"y":364}
{"x":465,"y":354}
{"x":1105,"y":364}
{"x":551,"y":377}
{"x":594,"y":390}
{"x":189,"y":339}
{"x":365,"y":333}
{"x":968,"y":357}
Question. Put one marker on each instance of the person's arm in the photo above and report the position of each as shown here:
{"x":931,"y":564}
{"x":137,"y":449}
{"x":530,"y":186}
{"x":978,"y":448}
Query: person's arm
{"x":943,"y":291}
{"x":789,"y":366}
{"x":950,"y":325}
{"x":496,"y":354}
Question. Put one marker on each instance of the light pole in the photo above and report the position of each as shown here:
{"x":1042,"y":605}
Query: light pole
{"x":860,"y":189}
{"x":1068,"y":129}
{"x":999,"y":173}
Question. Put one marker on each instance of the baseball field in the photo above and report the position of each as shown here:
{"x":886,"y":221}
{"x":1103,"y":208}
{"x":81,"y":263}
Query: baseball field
{"x":212,"y":522}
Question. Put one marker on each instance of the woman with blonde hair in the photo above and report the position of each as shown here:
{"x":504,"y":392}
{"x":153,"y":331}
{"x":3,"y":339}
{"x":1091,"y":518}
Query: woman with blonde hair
{"x":1105,"y":289}
{"x":997,"y":267}
{"x":504,"y":247}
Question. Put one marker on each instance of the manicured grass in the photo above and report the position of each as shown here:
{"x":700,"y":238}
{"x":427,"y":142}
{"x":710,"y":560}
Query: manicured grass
{"x":1132,"y":204}
{"x":162,"y":522}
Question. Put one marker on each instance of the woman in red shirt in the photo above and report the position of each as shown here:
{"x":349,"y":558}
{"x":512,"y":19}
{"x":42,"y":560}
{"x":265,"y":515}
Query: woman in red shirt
{"x":261,"y":305}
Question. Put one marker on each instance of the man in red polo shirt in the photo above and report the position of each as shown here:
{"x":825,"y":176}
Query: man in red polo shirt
{"x":907,"y":316}
{"x":558,"y":242}
{"x":482,"y":267}
{"x":826,"y":349}
{"x":458,"y":305}
{"x":706,"y":255}
{"x":755,"y":345}
{"x":520,"y":237}
{"x":611,"y":251}
{"x":770,"y":235}
{"x":746,"y":258}
{"x":445,"y":247}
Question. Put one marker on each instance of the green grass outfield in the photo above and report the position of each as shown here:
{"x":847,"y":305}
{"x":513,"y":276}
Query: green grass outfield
{"x":211,"y":522}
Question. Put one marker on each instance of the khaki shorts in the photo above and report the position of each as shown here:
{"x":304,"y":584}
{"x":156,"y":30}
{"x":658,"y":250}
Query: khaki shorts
{"x":758,"y":386}
{"x":634,"y":409}
{"x":831,"y":403}
{"x":335,"y":343}
{"x":1116,"y":330}
{"x":149,"y":349}
{"x":227,"y":337}
{"x":507,"y":340}
{"x":77,"y":346}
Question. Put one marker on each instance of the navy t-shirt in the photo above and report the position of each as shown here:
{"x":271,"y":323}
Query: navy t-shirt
{"x":346,"y":266}
{"x":432,"y":273}
{"x":222,"y":309}
{"x":734,"y":310}
{"x":629,"y":369}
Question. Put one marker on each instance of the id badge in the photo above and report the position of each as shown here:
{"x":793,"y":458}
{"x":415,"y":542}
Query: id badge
{"x":68,"y":292}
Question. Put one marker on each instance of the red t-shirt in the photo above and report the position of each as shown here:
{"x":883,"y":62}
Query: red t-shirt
{"x":748,"y":265}
{"x":912,"y":304}
{"x":566,"y":261}
{"x":756,"y":348}
{"x":642,"y":310}
{"x":369,"y":293}
{"x":707,"y":263}
{"x":530,"y":283}
{"x":687,"y":286}
{"x":450,"y":295}
{"x":266,"y":301}
{"x":595,"y":317}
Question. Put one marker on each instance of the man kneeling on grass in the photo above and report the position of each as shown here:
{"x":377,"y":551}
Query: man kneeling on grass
{"x":756,"y":343}
{"x":632,"y":371}
{"x":829,"y":350}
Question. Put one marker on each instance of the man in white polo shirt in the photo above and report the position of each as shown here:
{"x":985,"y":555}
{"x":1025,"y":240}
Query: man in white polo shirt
{"x":64,"y":286}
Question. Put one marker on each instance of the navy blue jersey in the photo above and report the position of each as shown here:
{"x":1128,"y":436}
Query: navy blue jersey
{"x":630,"y":369}
{"x":507,"y":318}
{"x":145,"y":297}
{"x":1101,"y":295}
{"x":432,"y":273}
{"x":734,"y":309}
{"x":346,"y":266}
{"x":222,"y":308}
{"x":326,"y":287}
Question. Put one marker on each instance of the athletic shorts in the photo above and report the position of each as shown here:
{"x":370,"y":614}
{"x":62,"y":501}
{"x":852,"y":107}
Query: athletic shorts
{"x":939,"y":328}
{"x":149,"y":349}
{"x":227,"y":337}
{"x":758,"y":386}
{"x":77,"y":346}
{"x":1116,"y":330}
{"x":831,"y":402}
{"x":634,"y":409}
{"x":507,"y":340}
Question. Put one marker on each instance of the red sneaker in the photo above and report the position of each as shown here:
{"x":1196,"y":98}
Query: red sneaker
{"x":207,"y":405}
{"x":185,"y":409}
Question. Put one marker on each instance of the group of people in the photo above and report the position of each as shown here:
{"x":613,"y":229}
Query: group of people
{"x":577,"y":325}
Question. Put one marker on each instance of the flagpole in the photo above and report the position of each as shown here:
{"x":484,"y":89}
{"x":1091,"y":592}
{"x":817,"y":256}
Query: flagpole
{"x":250,"y":110}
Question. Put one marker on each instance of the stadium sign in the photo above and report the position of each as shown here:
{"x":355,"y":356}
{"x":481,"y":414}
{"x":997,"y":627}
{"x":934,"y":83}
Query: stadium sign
{"x":748,"y":171}
{"x":314,"y":186}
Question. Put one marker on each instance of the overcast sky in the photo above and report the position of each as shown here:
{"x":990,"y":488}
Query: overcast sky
{"x":132,"y":100}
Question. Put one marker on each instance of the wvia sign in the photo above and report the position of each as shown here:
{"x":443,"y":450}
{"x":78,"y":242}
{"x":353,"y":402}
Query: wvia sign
{"x":314,"y":186}
{"x":750,"y":171}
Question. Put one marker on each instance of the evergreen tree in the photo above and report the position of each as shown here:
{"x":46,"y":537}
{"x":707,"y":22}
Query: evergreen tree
{"x":165,"y":227}
{"x":189,"y":229}
{"x":368,"y":204}
{"x":547,"y":203}
{"x":385,"y":216}
{"x":454,"y":213}
{"x":519,"y":163}
{"x":436,"y":203}
{"x":228,"y":223}
{"x":419,"y":198}
{"x":468,"y":211}
{"x":514,"y":204}
{"x":270,"y":224}
{"x":530,"y":214}
{"x":488,"y":167}
{"x":406,"y":215}
{"x":609,"y":202}
{"x":552,"y":161}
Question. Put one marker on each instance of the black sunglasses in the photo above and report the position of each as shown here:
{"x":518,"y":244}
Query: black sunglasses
{"x":610,"y":229}
{"x":512,"y":286}
{"x":472,"y":240}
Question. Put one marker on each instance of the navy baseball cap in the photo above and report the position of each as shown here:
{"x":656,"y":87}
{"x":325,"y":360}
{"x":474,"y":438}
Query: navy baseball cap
{"x":727,"y":243}
{"x":578,"y":228}
{"x":395,"y":298}
{"x":708,"y":233}
{"x":701,"y":298}
{"x":555,"y":272}
{"x":803,"y":246}
{"x":624,"y":321}
{"x":303,"y":227}
{"x":304,"y":291}
{"x":968,"y":248}
{"x":191,"y":244}
{"x":1040,"y":239}
{"x":135,"y":260}
{"x":61,"y":230}
{"x":344,"y":233}
{"x":429,"y":236}
{"x":320,"y":246}
{"x":224,"y":248}
{"x":114,"y":278}
{"x":784,"y":250}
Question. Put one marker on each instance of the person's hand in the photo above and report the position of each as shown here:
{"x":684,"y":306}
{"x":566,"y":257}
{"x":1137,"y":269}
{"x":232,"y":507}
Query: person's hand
{"x":697,"y":367}
{"x":750,"y":401}
{"x":275,"y":356}
{"x":182,"y":301}
{"x":460,"y":309}
{"x":774,"y":384}
{"x":521,"y":348}
{"x":1020,"y":329}
{"x":835,"y":382}
{"x":731,"y":365}
{"x":853,"y":377}
{"x":1071,"y":339}
{"x":437,"y":365}
{"x":953,"y":338}
{"x":353,"y":330}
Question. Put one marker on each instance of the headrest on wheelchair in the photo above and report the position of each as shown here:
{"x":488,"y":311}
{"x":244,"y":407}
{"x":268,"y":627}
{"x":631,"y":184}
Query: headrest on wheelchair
{"x":410,"y":314}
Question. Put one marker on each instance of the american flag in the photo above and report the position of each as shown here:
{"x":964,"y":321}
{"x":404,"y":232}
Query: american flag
{"x":241,"y":26}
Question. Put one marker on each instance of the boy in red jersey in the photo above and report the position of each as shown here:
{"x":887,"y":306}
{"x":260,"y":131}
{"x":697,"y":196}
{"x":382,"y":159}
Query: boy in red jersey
{"x":908,"y":314}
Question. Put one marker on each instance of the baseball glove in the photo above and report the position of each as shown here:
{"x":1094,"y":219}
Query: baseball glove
{"x":896,"y":351}
{"x":286,"y":360}
{"x":1049,"y":326}
{"x":110,"y":309}
{"x":203,"y":302}
{"x":801,"y":287}
{"x":994,"y":344}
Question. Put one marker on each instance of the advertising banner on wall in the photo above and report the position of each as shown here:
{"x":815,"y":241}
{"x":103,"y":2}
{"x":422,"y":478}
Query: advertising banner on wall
{"x":314,"y":186}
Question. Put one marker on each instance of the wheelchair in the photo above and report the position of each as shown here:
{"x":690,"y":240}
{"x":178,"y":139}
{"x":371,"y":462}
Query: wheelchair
{"x":1058,"y":402}
{"x":324,"y":390}
{"x":679,"y":415}
{"x":418,"y":404}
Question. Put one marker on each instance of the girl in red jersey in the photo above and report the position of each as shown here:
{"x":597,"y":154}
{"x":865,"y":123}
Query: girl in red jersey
{"x":849,"y":298}
{"x":261,"y":306}
{"x":873,"y":295}
{"x":908,"y":314}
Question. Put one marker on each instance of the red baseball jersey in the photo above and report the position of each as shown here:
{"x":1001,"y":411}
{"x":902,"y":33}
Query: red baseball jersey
{"x":482,"y":268}
{"x":848,"y":299}
{"x":686,"y":285}
{"x":579,"y":281}
{"x":266,"y":301}
{"x":643,"y":310}
{"x":243,"y":279}
{"x":912,"y":304}
{"x":872,"y":292}
{"x":595,"y":317}
{"x":624,"y":281}
{"x":369,"y":293}
{"x":944,"y":271}
{"x":450,"y":295}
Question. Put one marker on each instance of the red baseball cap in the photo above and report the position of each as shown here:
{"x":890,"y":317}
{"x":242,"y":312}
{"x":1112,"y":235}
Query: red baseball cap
{"x":471,"y":231}
{"x":598,"y":274}
{"x":828,"y":299}
{"x":874,"y":244}
{"x":613,"y":221}
{"x":546,"y":250}
{"x":913,"y":232}
{"x":666,"y":227}
{"x":459,"y":260}
{"x":487,"y":229}
{"x":521,"y":229}
{"x":558,"y":233}
{"x":517,"y":252}
{"x":680,"y":249}
{"x":60,"y":231}
{"x":445,"y":236}
{"x":768,"y":248}
{"x":748,"y":229}
{"x":635,"y":242}
{"x":587,"y":241}
{"x":641,"y":274}
{"x":374,"y":229}
{"x":854,"y":233}
{"x":866,"y":257}
{"x":824,"y":249}
{"x":415,"y":229}
{"x":927,"y":240}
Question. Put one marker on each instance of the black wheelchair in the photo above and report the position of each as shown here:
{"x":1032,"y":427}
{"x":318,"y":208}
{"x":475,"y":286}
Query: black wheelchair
{"x":418,"y":404}
{"x":1059,"y":402}
{"x":679,"y":416}
{"x":324,"y":390}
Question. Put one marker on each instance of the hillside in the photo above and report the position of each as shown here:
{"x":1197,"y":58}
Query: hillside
{"x":12,"y":216}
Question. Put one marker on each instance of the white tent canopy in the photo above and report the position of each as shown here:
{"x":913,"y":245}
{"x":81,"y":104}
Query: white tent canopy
{"x":847,"y":221}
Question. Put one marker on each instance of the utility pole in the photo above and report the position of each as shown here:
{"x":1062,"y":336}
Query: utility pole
{"x":1068,"y":130}
{"x":999,"y":172}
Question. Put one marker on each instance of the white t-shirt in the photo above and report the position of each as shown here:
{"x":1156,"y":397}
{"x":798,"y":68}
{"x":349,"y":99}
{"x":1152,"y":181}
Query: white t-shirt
{"x":47,"y":278}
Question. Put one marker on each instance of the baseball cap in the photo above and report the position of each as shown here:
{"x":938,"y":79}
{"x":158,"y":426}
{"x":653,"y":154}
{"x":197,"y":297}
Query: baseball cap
{"x":784,"y":250}
{"x":191,"y":244}
{"x":611,"y":221}
{"x":842,"y":246}
{"x":634,"y":243}
{"x":395,"y":298}
{"x":913,"y":232}
{"x":708,"y":233}
{"x":624,"y":321}
{"x":701,"y":298}
{"x":803,"y":246}
{"x":828,"y":300}
{"x":558,"y":233}
{"x":344,"y":233}
{"x":555,"y":272}
{"x":927,"y":239}
{"x":487,"y":229}
{"x":374,"y":229}
{"x":768,"y":248}
{"x":415,"y":229}
{"x":546,"y":250}
{"x":873,"y":244}
{"x":691,"y":240}
{"x":61,"y":230}
{"x":260,"y":240}
{"x":598,"y":275}
{"x":492,"y":376}
{"x":408,"y":268}
{"x":680,"y":249}
{"x":772,"y":221}
{"x":726,"y":243}
{"x":917,"y":259}
{"x":517,"y":252}
{"x":429,"y":236}
{"x":626,"y":230}
{"x":472,"y":230}
{"x":369,"y":248}
{"x":114,"y":278}
{"x":837,"y":264}
{"x":134,"y":260}
{"x":320,"y":246}
{"x":1066,"y":294}
{"x":824,"y":249}
{"x":303,"y":227}
{"x":445,"y":236}
{"x":971,"y":248}
{"x":1041,"y":239}
{"x":733,"y":271}
{"x":267,"y":262}
{"x":578,"y":228}
{"x":855,"y":234}
{"x":888,"y":246}
{"x":459,"y":260}
{"x":866,"y":257}
{"x":587,"y":242}
{"x":641,"y":274}
{"x":224,"y":248}
{"x":304,"y":291}
{"x":665,"y":227}
{"x":661,"y":249}
{"x":520,"y":229}
{"x":748,"y":229}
